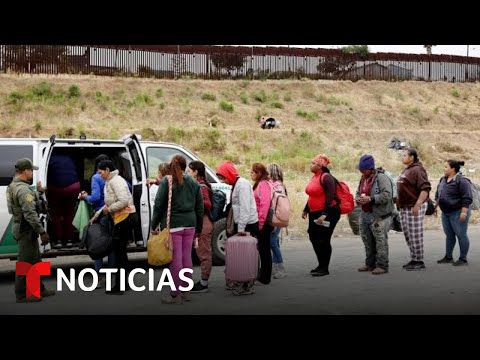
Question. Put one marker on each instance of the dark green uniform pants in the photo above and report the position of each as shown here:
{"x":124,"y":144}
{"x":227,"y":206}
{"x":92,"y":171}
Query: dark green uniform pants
{"x":28,"y":251}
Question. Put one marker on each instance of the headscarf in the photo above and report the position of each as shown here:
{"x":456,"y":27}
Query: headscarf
{"x":322,"y":160}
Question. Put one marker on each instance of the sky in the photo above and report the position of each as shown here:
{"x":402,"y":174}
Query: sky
{"x":474,"y":50}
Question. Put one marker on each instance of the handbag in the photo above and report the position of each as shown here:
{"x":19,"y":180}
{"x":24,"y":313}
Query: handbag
{"x":430,"y":207}
{"x":159,"y":246}
{"x":99,"y":239}
{"x":230,"y":223}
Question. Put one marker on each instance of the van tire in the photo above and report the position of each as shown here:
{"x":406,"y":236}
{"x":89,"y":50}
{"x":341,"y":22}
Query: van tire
{"x":219,"y":236}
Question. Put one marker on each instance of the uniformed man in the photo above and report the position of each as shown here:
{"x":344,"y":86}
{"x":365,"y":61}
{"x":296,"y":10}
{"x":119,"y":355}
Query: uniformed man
{"x":22,"y":204}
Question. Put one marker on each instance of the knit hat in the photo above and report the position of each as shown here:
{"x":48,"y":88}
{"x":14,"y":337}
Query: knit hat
{"x":367,"y":162}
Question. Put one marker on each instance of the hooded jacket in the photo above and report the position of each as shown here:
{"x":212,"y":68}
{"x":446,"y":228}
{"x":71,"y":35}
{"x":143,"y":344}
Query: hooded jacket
{"x":243,"y":200}
{"x":410,"y":184}
{"x":228,"y":171}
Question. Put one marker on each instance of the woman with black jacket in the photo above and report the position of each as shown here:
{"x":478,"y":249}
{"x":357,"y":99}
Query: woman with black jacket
{"x":454,"y":196}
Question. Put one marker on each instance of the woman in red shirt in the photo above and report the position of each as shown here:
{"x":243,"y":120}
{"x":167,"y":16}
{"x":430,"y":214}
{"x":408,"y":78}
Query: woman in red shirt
{"x":323,"y":212}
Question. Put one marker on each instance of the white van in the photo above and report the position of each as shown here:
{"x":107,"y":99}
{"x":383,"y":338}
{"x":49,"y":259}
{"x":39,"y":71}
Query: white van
{"x":136,"y":161}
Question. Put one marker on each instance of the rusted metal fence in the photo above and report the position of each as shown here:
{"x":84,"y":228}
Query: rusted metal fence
{"x":227,"y":62}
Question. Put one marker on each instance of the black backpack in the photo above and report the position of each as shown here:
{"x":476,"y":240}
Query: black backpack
{"x":218,"y":200}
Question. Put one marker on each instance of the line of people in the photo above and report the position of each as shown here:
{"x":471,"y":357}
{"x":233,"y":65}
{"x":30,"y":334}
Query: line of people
{"x":374,"y":194}
{"x":191,"y":201}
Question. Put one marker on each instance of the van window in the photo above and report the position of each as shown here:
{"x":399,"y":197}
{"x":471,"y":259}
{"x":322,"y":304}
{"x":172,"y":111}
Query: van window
{"x":158,"y":155}
{"x":10,"y":155}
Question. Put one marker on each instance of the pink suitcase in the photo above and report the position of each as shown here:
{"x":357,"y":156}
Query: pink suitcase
{"x":241,"y":258}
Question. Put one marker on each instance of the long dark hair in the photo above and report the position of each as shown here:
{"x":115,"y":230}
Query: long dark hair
{"x":200,"y":168}
{"x":260,"y":169}
{"x":177,"y":167}
{"x":455,"y":164}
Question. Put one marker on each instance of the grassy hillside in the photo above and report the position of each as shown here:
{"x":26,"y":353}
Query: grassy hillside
{"x":219,"y":120}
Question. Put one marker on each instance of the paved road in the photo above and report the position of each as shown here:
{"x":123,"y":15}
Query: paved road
{"x":441,"y":289}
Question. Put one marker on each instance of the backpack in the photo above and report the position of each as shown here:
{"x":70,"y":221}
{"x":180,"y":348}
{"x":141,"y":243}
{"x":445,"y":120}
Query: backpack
{"x":218,"y":200}
{"x":279,"y":213}
{"x":392,"y":181}
{"x":475,"y":197}
{"x":343,"y":196}
{"x":475,"y":192}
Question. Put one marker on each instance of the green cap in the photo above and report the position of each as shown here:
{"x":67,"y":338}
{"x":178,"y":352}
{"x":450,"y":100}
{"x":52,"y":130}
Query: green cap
{"x":25,"y":164}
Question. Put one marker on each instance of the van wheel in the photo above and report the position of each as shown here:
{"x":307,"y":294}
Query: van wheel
{"x":219,"y":237}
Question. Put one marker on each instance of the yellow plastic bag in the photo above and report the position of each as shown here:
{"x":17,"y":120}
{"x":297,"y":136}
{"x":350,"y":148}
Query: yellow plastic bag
{"x":159,"y":248}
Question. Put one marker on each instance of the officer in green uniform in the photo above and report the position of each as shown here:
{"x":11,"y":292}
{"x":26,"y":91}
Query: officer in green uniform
{"x":22,"y":203}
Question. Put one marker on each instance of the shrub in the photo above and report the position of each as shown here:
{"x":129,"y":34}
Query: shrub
{"x":260,"y":96}
{"x":277,"y":105}
{"x":209,"y":97}
{"x":73,"y":91}
{"x":226,"y":106}
{"x":302,"y":113}
{"x":454,"y":92}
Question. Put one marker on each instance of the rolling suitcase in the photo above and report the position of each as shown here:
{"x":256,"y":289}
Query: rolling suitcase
{"x":241,"y":259}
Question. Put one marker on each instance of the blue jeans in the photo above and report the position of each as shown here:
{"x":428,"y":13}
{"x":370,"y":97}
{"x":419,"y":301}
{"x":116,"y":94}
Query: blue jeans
{"x":275,"y":246}
{"x":111,"y":258}
{"x":452,"y":227}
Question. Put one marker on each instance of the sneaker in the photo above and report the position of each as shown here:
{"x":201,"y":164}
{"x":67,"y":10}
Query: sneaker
{"x":280,"y":274}
{"x":365,"y":268}
{"x":379,"y":271}
{"x":242,"y":291}
{"x":416,"y":266}
{"x":139,"y":243}
{"x":47,"y":293}
{"x":320,"y":273}
{"x":408,"y":264}
{"x":199,"y":288}
{"x":231,"y":285}
{"x":30,"y":299}
{"x":260,"y":283}
{"x":69,"y":244}
{"x":445,"y":260}
{"x":275,"y":269}
{"x":314,"y":270}
{"x":58,"y":245}
{"x":460,"y":262}
{"x":169,"y":299}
